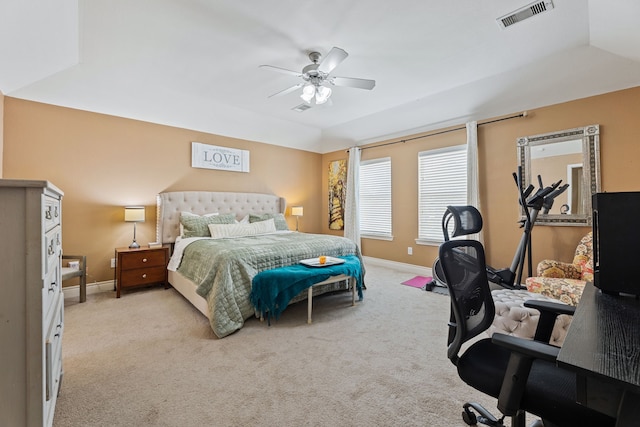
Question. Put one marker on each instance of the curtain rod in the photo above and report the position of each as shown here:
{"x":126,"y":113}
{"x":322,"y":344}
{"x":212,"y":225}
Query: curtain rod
{"x":523,"y":114}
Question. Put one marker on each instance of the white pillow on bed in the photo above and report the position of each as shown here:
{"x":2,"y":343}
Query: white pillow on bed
{"x":244,"y":220}
{"x":224,"y":231}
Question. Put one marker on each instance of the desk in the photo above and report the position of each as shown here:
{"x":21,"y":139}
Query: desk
{"x":603,"y":348}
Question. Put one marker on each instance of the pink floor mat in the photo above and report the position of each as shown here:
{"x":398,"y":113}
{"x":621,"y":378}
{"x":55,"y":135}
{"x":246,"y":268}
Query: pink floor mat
{"x":418,"y":281}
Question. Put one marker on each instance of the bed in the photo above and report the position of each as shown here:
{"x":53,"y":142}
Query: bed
{"x":215,"y":274}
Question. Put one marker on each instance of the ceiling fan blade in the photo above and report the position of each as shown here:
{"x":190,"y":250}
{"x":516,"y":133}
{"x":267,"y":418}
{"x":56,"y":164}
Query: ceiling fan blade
{"x":353,"y":82}
{"x":332,"y":60}
{"x":282,"y":70}
{"x":288,"y":90}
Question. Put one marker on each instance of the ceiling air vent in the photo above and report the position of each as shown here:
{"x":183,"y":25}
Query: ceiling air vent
{"x":302,"y":107}
{"x":525,"y":12}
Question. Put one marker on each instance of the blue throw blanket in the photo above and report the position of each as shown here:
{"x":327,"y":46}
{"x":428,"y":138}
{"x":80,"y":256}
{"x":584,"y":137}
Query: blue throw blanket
{"x":272,"y":290}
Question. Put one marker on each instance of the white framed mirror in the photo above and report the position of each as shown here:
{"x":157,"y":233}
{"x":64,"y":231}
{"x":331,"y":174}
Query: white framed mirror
{"x":571,"y":155}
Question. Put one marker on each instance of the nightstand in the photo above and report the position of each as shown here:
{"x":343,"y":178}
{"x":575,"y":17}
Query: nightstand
{"x":141,"y":267}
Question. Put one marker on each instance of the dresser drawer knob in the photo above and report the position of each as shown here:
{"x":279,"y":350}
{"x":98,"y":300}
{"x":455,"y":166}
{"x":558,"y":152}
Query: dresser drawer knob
{"x":55,"y":212}
{"x":47,"y":214}
{"x":144,"y":260}
{"x":52,"y":288}
{"x":144,"y":276}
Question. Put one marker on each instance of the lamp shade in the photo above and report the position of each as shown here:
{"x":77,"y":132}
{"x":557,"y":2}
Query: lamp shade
{"x":134,"y":213}
{"x":308,"y":92}
{"x":322,"y":94}
{"x":296,"y":210}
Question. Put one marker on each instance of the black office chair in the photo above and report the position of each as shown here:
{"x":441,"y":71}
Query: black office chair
{"x":521,"y":374}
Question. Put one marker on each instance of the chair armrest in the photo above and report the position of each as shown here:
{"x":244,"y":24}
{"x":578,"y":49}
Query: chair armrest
{"x":559,"y":269}
{"x":523,"y":353}
{"x":550,"y":307}
{"x":528,"y":348}
{"x":549,"y":311}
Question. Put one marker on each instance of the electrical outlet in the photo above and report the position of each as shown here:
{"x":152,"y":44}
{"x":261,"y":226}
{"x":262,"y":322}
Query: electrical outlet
{"x":409,"y":250}
{"x":113,"y":263}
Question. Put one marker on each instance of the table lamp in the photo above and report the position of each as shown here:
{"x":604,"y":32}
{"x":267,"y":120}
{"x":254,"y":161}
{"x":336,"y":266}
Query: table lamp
{"x":134,"y":214}
{"x":297,"y":212}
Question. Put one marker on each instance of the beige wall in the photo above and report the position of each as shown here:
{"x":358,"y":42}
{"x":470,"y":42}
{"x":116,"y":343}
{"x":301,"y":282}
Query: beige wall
{"x":103,"y":163}
{"x":616,"y":112}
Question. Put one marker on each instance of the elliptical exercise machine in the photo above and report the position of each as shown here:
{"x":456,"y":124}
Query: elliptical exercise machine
{"x":468,"y":220}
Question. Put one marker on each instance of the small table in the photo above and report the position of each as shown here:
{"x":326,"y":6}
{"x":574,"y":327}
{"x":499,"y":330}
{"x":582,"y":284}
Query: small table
{"x":603,"y":347}
{"x":141,"y":267}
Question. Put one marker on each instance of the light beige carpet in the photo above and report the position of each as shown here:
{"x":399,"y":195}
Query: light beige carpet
{"x":150,"y":359}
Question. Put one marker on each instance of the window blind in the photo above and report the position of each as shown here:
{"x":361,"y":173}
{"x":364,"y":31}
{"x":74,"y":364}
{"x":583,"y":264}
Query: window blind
{"x":442,"y":175}
{"x":375,"y":198}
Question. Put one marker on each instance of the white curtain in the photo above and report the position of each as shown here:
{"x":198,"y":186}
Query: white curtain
{"x":351,"y":209}
{"x":473,"y":191}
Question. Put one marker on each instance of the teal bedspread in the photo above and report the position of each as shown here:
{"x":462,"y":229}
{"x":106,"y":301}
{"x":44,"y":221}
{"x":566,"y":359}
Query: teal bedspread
{"x":273,"y":289}
{"x":223,"y":269}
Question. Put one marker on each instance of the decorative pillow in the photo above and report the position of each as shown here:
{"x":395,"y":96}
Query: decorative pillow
{"x":568,"y":291}
{"x":244,"y":220}
{"x":197,"y":226}
{"x":223,"y":231}
{"x":192,"y":214}
{"x":281,"y":223}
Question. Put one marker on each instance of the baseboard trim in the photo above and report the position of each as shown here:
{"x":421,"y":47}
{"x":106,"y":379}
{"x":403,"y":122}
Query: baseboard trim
{"x":394,"y":265}
{"x":92,"y":288}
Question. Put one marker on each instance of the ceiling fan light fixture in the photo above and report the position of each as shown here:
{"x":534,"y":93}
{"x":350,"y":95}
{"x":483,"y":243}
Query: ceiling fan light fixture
{"x":322,"y":94}
{"x":308,"y":92}
{"x":318,"y":73}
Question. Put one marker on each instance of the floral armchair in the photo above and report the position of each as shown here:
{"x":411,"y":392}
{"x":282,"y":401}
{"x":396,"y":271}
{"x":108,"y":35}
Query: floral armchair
{"x":565,"y":281}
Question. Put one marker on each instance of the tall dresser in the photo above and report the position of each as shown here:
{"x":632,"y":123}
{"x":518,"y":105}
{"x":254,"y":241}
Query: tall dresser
{"x":31,"y":302}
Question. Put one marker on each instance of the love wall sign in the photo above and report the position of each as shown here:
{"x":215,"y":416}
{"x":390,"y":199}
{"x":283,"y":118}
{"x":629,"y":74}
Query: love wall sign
{"x":221,"y":158}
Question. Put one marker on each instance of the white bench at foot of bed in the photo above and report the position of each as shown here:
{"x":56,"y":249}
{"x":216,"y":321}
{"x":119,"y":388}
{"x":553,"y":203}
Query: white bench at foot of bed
{"x":333,"y":279}
{"x":272,"y":290}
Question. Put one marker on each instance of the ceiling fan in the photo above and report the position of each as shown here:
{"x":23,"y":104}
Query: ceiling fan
{"x":315,"y":76}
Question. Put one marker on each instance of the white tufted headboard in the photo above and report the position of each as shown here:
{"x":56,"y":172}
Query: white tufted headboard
{"x":170,"y":204}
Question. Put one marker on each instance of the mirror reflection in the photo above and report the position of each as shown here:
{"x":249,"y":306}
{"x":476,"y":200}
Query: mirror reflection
{"x":571,"y":156}
{"x":557,"y":161}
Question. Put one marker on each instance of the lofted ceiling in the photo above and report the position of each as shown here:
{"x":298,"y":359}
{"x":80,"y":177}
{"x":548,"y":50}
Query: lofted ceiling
{"x":195,"y":63}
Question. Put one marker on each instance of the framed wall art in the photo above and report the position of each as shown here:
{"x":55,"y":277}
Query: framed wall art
{"x":337,"y":193}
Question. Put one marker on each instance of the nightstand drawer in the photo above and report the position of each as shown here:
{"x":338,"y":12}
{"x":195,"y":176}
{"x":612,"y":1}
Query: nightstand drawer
{"x":143,"y":259}
{"x":143,"y":276}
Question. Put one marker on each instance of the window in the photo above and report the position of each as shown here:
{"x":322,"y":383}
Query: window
{"x":375,"y":198}
{"x":442,"y":181}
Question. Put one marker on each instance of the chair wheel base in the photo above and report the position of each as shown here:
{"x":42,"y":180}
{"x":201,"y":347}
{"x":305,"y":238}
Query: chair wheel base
{"x":483,"y":417}
{"x":469,"y":417}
